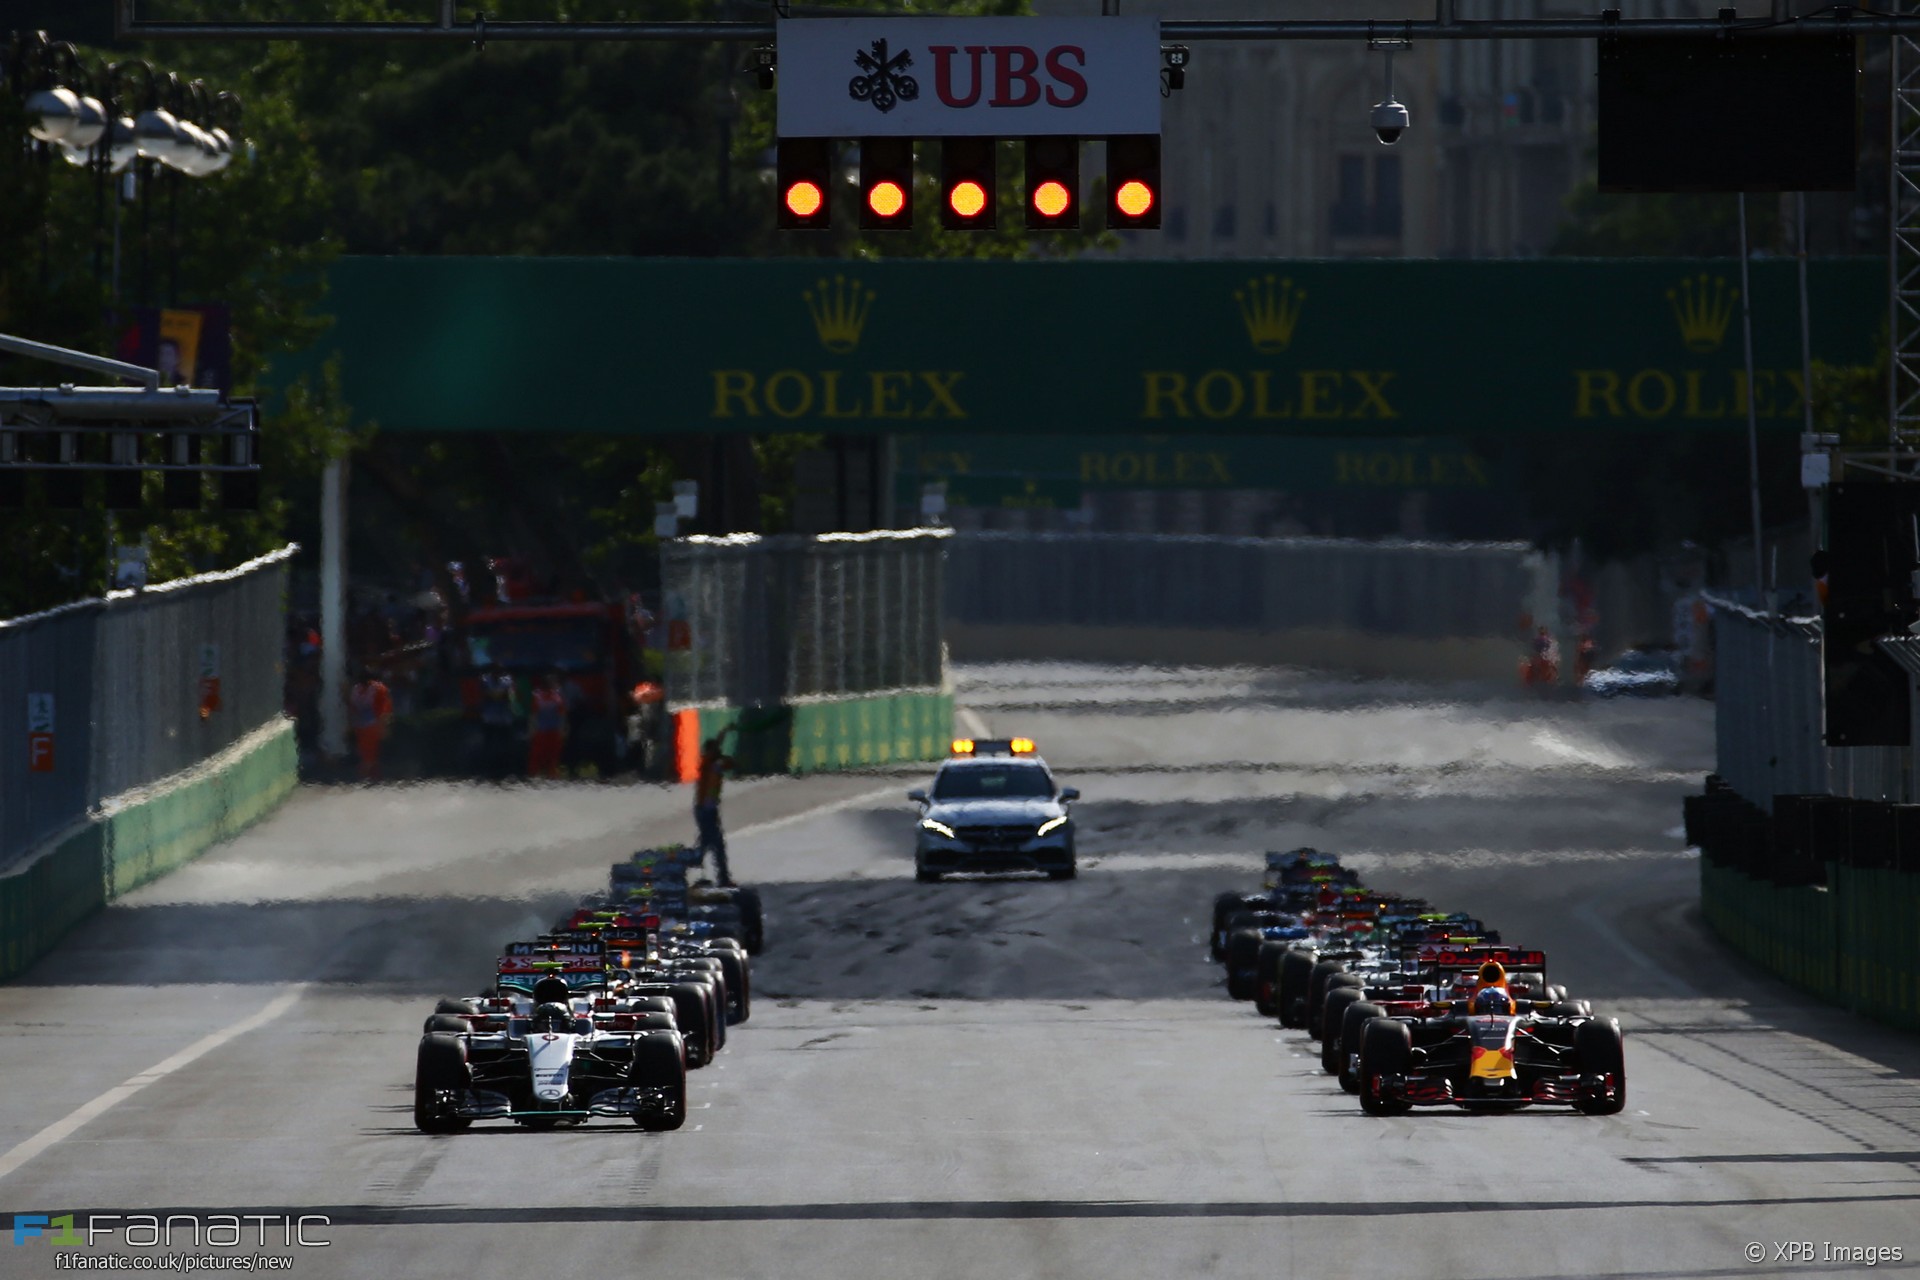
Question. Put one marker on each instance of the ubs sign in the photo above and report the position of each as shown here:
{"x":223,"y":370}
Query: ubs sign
{"x":968,"y":77}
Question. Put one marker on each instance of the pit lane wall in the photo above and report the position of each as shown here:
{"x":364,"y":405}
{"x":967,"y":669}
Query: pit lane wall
{"x":155,"y":731}
{"x":1810,"y":855}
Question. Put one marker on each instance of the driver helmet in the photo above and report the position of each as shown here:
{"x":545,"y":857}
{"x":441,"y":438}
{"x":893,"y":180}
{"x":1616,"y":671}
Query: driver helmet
{"x":1492,"y":1000}
{"x":552,"y":1018}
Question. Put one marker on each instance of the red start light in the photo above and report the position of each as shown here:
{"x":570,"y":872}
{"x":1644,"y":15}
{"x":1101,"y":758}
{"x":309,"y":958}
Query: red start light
{"x":967,"y":199}
{"x":1133,"y":198}
{"x":804,"y":199}
{"x":1051,"y":199}
{"x":886,"y":199}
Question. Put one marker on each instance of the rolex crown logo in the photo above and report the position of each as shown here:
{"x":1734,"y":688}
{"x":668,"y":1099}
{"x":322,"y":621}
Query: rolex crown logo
{"x":839,"y":309}
{"x":1702,"y":306}
{"x":1270,"y":309}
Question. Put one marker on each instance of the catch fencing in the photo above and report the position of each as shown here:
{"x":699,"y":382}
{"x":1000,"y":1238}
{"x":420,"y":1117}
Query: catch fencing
{"x":755,"y":622}
{"x":1810,"y":861}
{"x":1402,"y":591}
{"x":1768,"y":714}
{"x":123,"y":692}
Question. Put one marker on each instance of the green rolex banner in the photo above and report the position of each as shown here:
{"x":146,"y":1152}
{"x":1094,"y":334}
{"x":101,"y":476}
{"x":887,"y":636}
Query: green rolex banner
{"x":1377,"y":348}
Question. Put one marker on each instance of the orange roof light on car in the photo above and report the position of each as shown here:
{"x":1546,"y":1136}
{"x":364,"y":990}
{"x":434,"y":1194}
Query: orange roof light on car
{"x":963,"y":746}
{"x":1022,"y":746}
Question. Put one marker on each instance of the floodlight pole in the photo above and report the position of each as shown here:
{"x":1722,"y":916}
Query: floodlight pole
{"x":1753,"y":424}
{"x":333,"y":609}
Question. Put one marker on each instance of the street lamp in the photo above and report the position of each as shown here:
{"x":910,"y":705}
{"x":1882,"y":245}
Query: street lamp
{"x":53,"y":113}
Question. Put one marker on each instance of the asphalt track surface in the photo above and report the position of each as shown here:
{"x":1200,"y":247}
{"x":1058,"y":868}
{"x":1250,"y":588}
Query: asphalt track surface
{"x":990,"y":1077}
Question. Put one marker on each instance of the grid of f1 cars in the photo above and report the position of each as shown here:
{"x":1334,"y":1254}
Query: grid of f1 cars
{"x":604,"y":1014}
{"x":1412,"y":1007}
{"x":994,"y":806}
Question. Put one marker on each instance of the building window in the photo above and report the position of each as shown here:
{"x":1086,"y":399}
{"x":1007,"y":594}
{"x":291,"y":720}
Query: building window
{"x":1386,"y":195}
{"x":1363,"y":210}
{"x":1177,"y":223}
{"x":1224,"y":222}
{"x":1273,"y":220}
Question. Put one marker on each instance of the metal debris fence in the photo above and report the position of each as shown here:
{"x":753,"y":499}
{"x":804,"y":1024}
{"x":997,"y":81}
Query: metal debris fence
{"x":1413,"y":589}
{"x":764,"y":621}
{"x":113,"y":691}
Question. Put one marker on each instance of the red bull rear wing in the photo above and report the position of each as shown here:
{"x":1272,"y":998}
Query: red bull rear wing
{"x":1452,"y":955}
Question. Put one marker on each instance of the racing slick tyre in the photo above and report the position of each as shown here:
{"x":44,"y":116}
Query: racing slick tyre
{"x":716,"y":998}
{"x":1570,"y":1009}
{"x":1386,"y":1048}
{"x":446,"y":1022}
{"x":1332,"y":1009}
{"x":1353,"y":1022}
{"x":1600,"y":1050}
{"x":1318,"y":981}
{"x":1295,"y":968}
{"x":1243,"y":952}
{"x":1068,"y":872}
{"x":456,"y":1007}
{"x":752,"y":919}
{"x":1224,"y":905}
{"x":924,"y":874}
{"x":1266,"y":978}
{"x":693,"y":1005}
{"x":733,"y":967}
{"x":659,"y":1063}
{"x":441,"y":1067}
{"x":690,"y":1015}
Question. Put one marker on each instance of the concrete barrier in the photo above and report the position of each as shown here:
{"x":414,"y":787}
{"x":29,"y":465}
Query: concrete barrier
{"x":138,"y":837}
{"x":1851,"y":941}
{"x":829,"y":735}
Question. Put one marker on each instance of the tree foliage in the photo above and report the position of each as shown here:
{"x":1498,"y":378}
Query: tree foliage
{"x":575,"y":148}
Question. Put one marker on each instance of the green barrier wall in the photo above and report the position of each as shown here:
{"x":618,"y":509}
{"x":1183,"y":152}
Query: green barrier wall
{"x":176,"y":824}
{"x":138,"y":842}
{"x":40,"y":902}
{"x":1855,"y":942}
{"x":1877,"y":928}
{"x":843,"y":733}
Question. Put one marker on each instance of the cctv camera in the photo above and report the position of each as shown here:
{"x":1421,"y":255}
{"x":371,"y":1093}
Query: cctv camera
{"x":1389,"y":120}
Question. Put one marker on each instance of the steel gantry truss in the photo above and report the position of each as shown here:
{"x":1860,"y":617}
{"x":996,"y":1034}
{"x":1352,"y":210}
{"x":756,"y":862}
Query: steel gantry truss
{"x":1903,"y":240}
{"x":1839,"y":19}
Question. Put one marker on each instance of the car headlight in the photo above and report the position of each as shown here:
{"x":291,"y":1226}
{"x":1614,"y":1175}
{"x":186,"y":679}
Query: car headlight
{"x":938,"y":828}
{"x":1050,"y":824}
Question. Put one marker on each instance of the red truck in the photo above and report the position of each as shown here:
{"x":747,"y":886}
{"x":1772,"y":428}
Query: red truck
{"x":615,"y":712}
